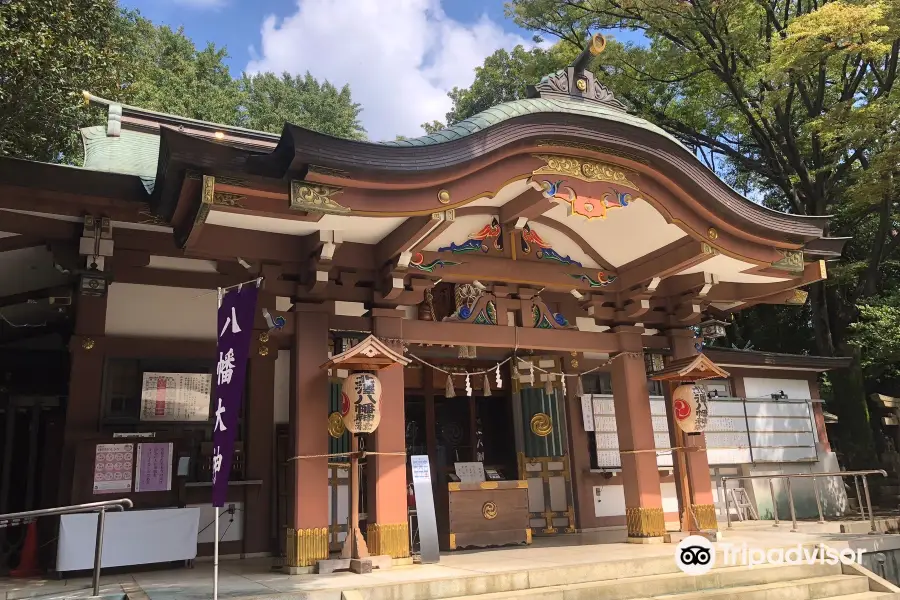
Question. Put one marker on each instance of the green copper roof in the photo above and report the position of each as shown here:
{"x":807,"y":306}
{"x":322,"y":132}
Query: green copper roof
{"x":131,"y":153}
{"x":530,"y":106}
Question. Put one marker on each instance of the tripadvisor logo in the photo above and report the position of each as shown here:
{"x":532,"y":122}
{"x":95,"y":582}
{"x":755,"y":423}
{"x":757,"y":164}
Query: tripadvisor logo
{"x":696,"y":555}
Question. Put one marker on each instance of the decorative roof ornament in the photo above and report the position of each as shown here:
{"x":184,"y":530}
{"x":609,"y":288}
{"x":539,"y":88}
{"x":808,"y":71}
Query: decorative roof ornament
{"x":576,"y":82}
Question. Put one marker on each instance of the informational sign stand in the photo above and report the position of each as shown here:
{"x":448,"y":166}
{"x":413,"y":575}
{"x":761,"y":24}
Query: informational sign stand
{"x":428,"y":535}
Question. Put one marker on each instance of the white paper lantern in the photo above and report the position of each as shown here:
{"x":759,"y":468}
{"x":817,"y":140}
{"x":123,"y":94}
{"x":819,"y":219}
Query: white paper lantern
{"x":361,"y":402}
{"x":690,"y":408}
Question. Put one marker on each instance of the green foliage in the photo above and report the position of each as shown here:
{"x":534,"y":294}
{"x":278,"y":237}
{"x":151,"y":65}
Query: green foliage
{"x":504,"y":76}
{"x":270,"y":101}
{"x":51,"y":50}
{"x":175,"y":77}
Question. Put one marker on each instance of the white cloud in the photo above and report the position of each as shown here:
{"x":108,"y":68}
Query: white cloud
{"x":400,"y":57}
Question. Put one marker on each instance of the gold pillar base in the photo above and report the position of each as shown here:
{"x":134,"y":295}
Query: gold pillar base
{"x":390,"y":540}
{"x":645,"y":522}
{"x":306,"y":546}
{"x":706,"y":516}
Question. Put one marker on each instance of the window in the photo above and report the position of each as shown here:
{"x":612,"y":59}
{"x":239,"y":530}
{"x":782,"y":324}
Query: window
{"x":719,"y":387}
{"x":121,"y":410}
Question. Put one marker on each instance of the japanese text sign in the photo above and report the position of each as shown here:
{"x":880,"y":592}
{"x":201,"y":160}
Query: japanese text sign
{"x":234,"y":328}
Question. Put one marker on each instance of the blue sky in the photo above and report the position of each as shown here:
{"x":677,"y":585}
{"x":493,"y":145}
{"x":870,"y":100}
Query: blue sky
{"x":236,"y":23}
{"x":400,"y":57}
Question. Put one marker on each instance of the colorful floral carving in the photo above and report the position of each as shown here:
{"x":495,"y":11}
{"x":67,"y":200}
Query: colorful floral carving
{"x":479,"y":240}
{"x":418,"y":260}
{"x":602,"y":279}
{"x":544,"y":251}
{"x":540,"y":320}
{"x":585,"y":206}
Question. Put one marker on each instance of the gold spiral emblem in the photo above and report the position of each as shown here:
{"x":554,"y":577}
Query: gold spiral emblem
{"x":335,"y":425}
{"x":489,"y":511}
{"x":541,"y":424}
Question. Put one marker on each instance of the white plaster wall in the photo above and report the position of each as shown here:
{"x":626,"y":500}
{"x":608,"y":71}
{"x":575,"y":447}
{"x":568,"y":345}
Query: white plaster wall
{"x":161,"y":312}
{"x":282,"y":386}
{"x":609,"y":500}
{"x":235,"y":529}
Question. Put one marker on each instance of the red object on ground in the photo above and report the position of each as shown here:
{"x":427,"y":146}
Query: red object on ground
{"x":28,"y":565}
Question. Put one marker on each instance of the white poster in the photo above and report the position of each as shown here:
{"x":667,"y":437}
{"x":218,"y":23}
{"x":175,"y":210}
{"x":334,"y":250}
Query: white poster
{"x":470,"y":471}
{"x":175,"y":396}
{"x":113,"y":464}
{"x":587,"y":411}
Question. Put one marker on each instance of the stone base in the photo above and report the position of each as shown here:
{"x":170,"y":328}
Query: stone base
{"x":675,"y":537}
{"x":382,"y":562}
{"x":644,"y":540}
{"x":360,"y":565}
{"x":297,"y":570}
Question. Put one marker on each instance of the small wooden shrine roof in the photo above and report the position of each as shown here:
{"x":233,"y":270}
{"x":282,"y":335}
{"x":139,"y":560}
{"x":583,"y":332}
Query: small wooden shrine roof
{"x":692,"y":368}
{"x":371,"y":354}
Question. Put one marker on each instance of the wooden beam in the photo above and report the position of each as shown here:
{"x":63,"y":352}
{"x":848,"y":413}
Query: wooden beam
{"x":737,"y":292}
{"x":527,"y":206}
{"x":20,"y":242}
{"x":409,"y":235}
{"x":494,"y":336}
{"x":699,"y":283}
{"x":45,"y":227}
{"x":39,"y":294}
{"x":536,"y":274}
{"x":792,"y":297}
{"x":668,"y":260}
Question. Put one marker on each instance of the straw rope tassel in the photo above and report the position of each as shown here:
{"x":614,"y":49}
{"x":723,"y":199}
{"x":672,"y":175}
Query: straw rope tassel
{"x":449,"y":392}
{"x":486,"y":385}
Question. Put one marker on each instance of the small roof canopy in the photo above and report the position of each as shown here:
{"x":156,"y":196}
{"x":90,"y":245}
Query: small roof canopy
{"x":371,"y":354}
{"x":693,"y":368}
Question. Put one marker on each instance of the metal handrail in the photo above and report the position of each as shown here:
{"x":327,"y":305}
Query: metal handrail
{"x":855,"y":474}
{"x":98,"y":507}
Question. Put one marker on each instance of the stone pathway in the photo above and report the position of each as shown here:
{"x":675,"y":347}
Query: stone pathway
{"x":253,"y":578}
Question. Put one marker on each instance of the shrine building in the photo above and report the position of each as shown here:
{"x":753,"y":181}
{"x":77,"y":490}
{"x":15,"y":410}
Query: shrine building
{"x":552,"y":268}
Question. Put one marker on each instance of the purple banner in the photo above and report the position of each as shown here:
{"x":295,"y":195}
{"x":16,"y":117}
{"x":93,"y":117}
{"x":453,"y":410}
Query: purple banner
{"x":235,"y":327}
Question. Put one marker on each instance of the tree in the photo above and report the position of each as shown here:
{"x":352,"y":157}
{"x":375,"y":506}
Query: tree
{"x":51,"y":50}
{"x":504,"y":76}
{"x":172,"y":76}
{"x":270,"y":101}
{"x":794,"y":99}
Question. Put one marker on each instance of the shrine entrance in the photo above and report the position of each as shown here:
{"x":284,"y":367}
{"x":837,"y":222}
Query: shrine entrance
{"x":470,"y":442}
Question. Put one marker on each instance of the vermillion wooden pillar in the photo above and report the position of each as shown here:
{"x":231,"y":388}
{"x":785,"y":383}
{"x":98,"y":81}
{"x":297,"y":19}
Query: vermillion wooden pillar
{"x":307,"y":532}
{"x":83,"y":406}
{"x":387,"y":531}
{"x":643,"y":499}
{"x":693,"y":468}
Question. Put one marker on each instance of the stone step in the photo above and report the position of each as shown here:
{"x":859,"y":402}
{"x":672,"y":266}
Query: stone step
{"x":867,"y":596}
{"x":801,"y":589}
{"x":598,"y":581}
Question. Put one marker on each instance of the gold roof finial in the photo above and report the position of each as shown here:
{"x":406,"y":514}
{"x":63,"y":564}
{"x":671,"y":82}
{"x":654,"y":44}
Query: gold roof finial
{"x":598,"y":44}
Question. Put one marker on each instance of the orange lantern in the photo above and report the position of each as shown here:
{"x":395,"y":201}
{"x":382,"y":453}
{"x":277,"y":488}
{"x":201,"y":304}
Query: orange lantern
{"x":691,"y":409}
{"x":361,"y":402}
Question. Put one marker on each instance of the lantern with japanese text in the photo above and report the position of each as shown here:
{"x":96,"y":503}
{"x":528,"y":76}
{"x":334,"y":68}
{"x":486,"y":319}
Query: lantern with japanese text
{"x":690,"y":408}
{"x":361,"y":402}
